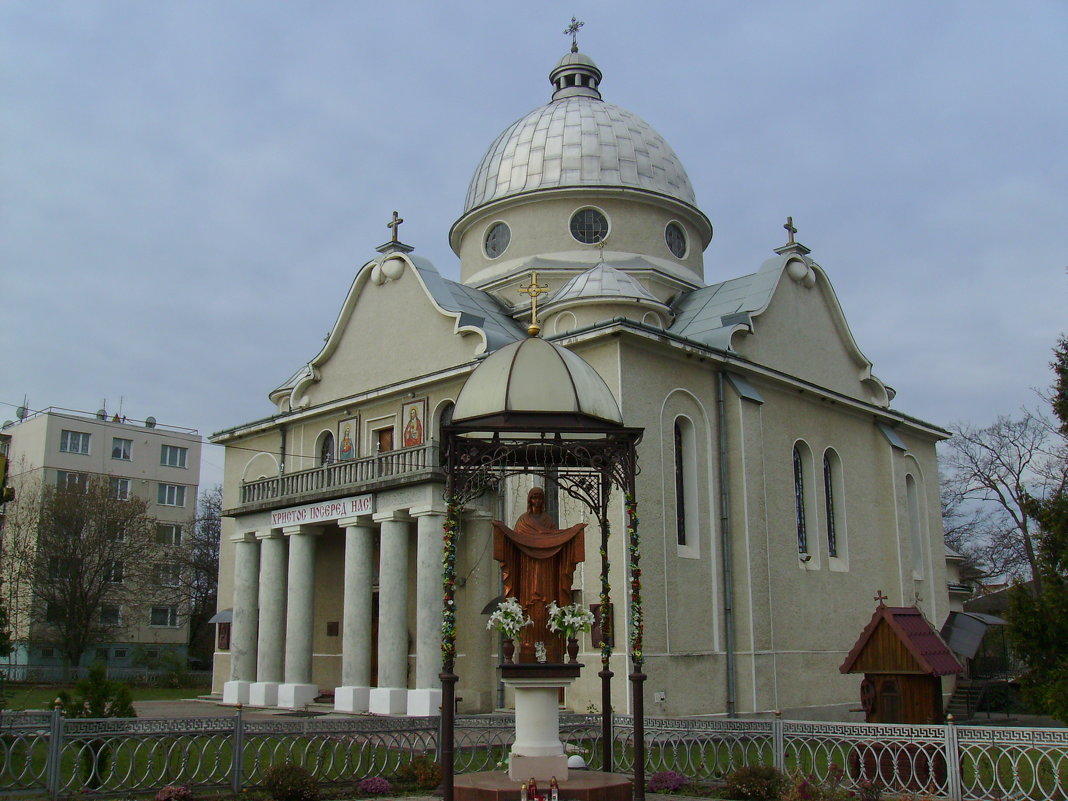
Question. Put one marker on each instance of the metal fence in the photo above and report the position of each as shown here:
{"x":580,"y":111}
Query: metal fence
{"x":58,"y":674}
{"x":43,"y":753}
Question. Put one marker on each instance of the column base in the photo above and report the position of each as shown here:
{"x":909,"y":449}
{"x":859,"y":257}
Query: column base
{"x":296,"y":696}
{"x":351,"y":699}
{"x":424,"y":703}
{"x":542,"y":768}
{"x":236,"y":692}
{"x":388,"y":701}
{"x":263,"y":693}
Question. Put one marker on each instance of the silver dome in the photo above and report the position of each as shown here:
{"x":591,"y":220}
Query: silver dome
{"x":578,"y":140}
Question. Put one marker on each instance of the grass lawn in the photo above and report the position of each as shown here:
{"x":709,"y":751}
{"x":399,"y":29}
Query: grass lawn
{"x":41,"y":696}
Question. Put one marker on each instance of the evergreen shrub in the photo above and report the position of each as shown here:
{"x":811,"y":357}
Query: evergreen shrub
{"x":288,"y":781}
{"x":755,"y":783}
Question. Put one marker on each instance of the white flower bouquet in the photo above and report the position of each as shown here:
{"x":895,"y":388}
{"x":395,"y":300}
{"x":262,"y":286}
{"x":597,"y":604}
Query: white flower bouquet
{"x":569,"y":620}
{"x":508,"y":618}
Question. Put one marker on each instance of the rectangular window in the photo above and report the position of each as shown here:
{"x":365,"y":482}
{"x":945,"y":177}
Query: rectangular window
{"x":163,"y":616}
{"x":121,"y":448}
{"x":53,"y":613}
{"x":116,"y":572}
{"x":171,"y":495}
{"x":168,"y":575}
{"x":48,"y":653}
{"x":116,"y":530}
{"x":110,"y":615}
{"x":62,"y":567}
{"x":66,"y":480}
{"x":169,"y":534}
{"x":121,"y":653}
{"x":74,"y":441}
{"x":120,"y":488}
{"x":173,"y":456}
{"x":101,"y":653}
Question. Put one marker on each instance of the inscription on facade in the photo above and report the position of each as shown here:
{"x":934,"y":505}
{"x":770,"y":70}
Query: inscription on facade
{"x":322,"y":512}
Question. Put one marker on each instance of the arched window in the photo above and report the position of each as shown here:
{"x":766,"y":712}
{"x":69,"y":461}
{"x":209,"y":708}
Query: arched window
{"x":685,"y":452}
{"x":829,"y":469}
{"x":326,"y":450}
{"x":916,"y":534}
{"x":680,"y":486}
{"x":799,"y":500}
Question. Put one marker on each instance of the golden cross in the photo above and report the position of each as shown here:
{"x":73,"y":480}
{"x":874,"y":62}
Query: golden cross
{"x":395,"y":225}
{"x":533,"y":289}
{"x":791,"y":230}
{"x":573,"y":30}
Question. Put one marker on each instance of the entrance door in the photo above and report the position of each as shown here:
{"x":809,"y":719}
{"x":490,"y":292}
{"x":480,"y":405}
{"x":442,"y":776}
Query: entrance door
{"x":385,"y":439}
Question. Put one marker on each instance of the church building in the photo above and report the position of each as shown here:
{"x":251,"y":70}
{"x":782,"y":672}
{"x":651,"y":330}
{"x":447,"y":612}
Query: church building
{"x":779,"y":489}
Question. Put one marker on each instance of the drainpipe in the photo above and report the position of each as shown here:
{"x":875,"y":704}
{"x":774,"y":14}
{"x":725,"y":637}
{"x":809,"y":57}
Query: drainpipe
{"x":282,"y":451}
{"x":725,"y":544}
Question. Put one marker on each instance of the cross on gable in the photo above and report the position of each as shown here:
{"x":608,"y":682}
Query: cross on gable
{"x":395,"y":224}
{"x":534,"y":289}
{"x":880,"y":598}
{"x":791,"y":231}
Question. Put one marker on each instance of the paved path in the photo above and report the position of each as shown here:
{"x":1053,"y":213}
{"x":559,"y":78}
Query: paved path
{"x":194,"y":707}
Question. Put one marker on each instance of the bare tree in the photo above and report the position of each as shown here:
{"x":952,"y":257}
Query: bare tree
{"x":997,"y":469}
{"x":75,"y":557}
{"x":199,"y":562}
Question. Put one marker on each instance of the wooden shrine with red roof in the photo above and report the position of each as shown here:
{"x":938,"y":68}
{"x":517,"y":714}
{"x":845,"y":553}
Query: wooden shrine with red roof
{"x":903,"y":659}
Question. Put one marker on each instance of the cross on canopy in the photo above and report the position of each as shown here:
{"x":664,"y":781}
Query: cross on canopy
{"x":534,"y":289}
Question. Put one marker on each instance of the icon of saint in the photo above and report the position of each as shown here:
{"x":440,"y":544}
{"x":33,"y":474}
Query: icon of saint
{"x":413,"y":430}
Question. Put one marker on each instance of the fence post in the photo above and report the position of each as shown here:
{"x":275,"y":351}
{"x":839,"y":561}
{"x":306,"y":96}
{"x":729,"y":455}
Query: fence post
{"x":953,"y":782}
{"x":54,"y":759}
{"x":778,"y":741}
{"x":238,"y":749}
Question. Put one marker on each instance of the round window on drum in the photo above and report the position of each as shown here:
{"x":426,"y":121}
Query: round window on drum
{"x":589,"y":226}
{"x":497,"y":239}
{"x":676,"y":239}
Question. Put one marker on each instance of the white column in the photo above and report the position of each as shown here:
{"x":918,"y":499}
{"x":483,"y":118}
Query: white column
{"x":354,"y":694}
{"x":297,"y":690}
{"x":390,"y":697}
{"x":243,"y":627}
{"x":270,"y":653}
{"x":425,"y":699}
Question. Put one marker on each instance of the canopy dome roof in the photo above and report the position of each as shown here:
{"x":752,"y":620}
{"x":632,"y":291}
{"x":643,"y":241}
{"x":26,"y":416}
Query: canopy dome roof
{"x":578,"y":140}
{"x":534,"y":379}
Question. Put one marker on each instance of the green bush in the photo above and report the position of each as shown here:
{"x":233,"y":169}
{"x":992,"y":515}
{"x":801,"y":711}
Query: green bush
{"x":290,"y":782}
{"x":755,"y":783}
{"x":422,"y":772}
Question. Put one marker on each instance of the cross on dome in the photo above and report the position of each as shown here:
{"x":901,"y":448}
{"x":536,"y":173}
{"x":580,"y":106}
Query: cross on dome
{"x":395,"y":224}
{"x":573,"y":30}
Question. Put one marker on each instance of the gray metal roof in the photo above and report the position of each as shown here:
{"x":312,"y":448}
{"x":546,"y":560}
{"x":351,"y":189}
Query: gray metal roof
{"x":578,"y":140}
{"x":602,"y":281}
{"x":710,"y":315}
{"x":476,"y":308}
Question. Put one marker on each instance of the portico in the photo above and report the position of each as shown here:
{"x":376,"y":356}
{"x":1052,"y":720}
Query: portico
{"x":286,"y":616}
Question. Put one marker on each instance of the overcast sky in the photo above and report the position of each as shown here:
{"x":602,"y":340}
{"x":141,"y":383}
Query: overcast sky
{"x":188,"y":188}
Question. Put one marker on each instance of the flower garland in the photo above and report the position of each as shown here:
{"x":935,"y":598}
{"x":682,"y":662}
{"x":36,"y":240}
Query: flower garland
{"x":448,"y":581}
{"x":634,"y":554}
{"x":606,"y":597}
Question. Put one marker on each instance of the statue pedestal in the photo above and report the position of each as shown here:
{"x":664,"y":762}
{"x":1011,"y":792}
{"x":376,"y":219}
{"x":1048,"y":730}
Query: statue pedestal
{"x":537,"y":750}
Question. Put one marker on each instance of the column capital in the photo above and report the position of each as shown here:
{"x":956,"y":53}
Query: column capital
{"x":357,"y":520}
{"x":477,"y":514}
{"x":422,"y":511}
{"x":394,"y":516}
{"x":289,"y":531}
{"x":268,"y":533}
{"x":243,"y":536}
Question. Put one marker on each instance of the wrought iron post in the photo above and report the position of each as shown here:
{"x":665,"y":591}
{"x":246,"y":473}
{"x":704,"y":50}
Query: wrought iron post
{"x":447,"y":745}
{"x":53,"y":763}
{"x":636,"y":631}
{"x":778,"y":742}
{"x":953,"y":782}
{"x":605,"y":615}
{"x":238,"y":749}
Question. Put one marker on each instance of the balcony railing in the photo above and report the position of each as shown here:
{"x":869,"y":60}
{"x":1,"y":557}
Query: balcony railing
{"x":399,"y":465}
